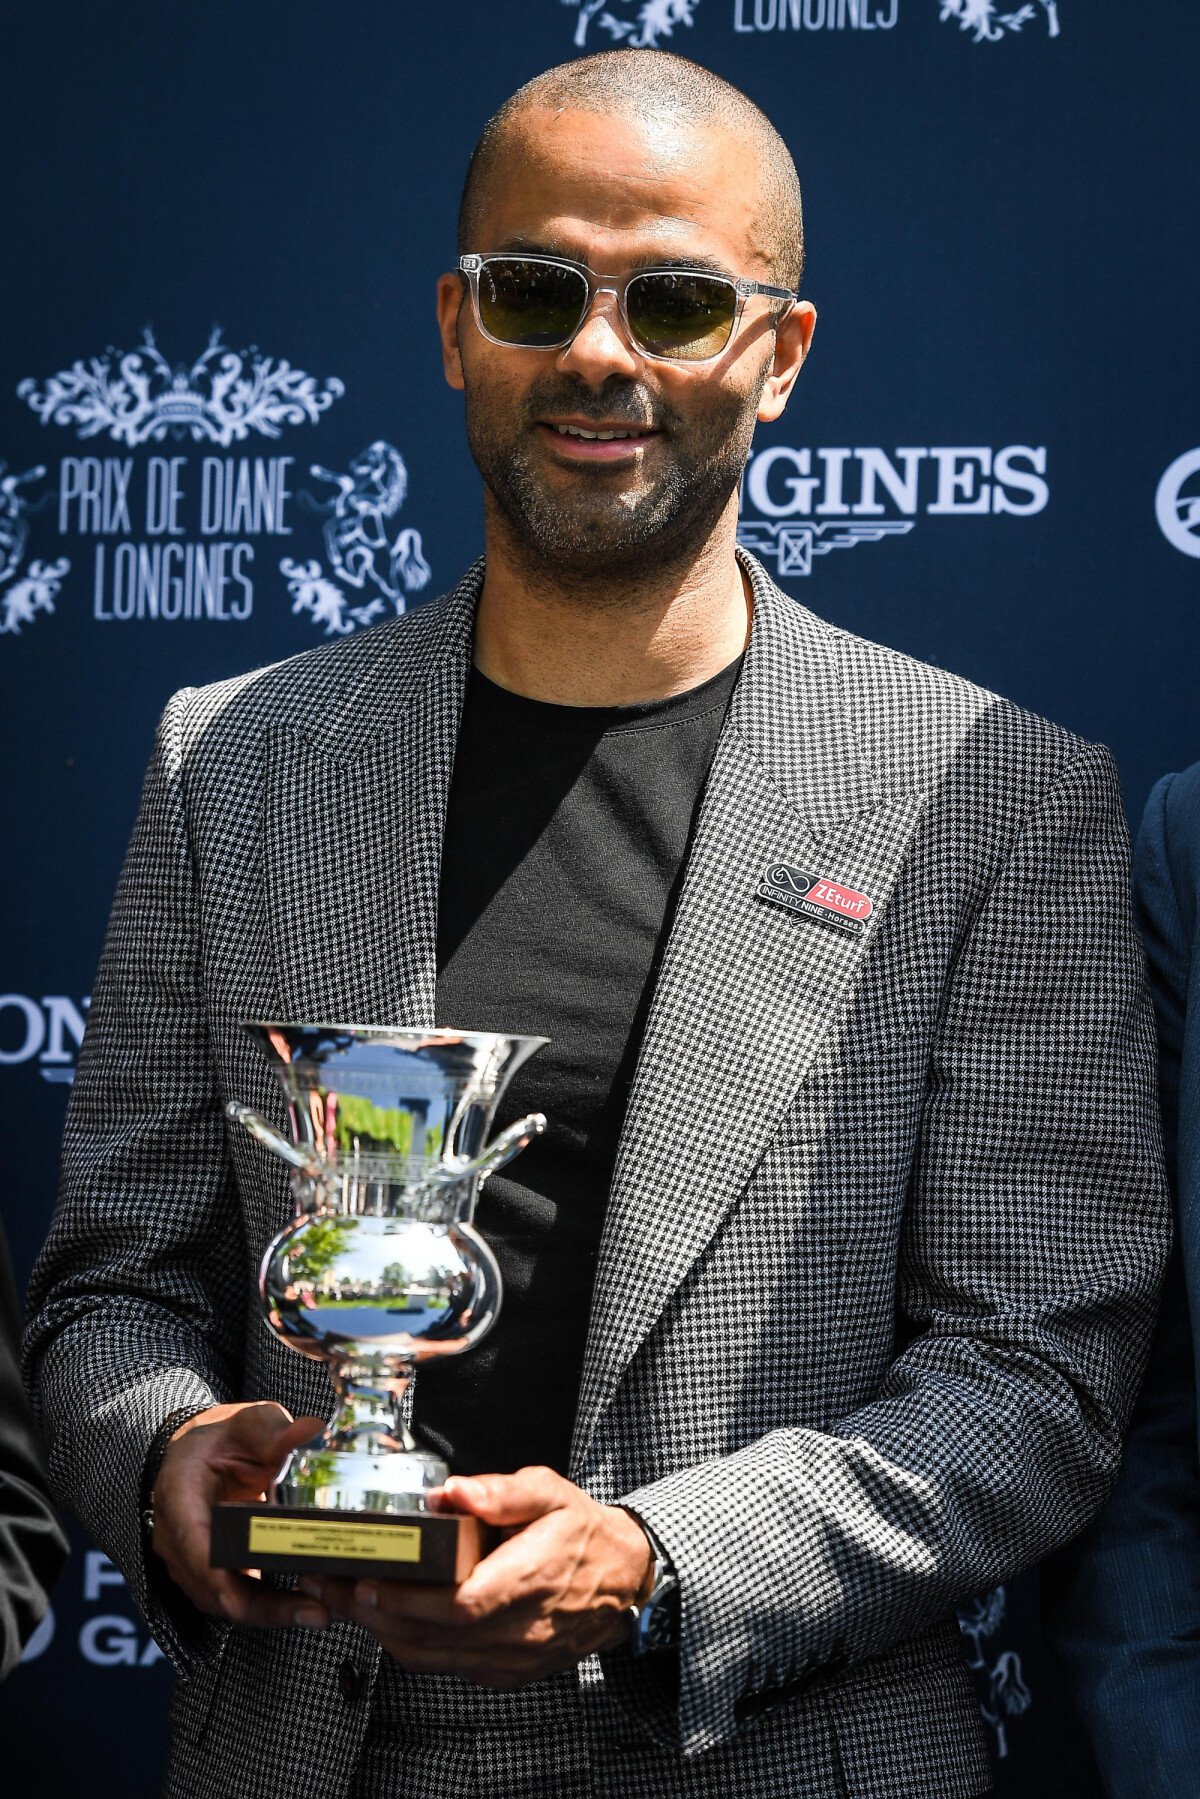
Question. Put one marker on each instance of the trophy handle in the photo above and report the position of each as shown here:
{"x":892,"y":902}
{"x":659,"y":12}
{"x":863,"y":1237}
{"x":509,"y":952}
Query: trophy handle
{"x":508,"y":1144}
{"x":456,"y":1168}
{"x":270,"y":1138}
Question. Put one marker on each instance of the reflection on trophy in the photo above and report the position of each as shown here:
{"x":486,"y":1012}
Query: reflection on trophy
{"x":380,"y":1270}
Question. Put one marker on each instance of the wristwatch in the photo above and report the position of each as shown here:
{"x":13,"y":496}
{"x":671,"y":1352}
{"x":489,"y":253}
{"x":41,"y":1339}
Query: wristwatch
{"x":655,"y":1624}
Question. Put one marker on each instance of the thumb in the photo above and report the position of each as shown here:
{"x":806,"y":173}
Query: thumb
{"x":503,"y":1499}
{"x":267,"y":1431}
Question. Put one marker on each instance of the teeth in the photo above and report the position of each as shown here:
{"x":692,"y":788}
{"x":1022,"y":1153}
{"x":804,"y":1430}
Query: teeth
{"x":594,"y":436}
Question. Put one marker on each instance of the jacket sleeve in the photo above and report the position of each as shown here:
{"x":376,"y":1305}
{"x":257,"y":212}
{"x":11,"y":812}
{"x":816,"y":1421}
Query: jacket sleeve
{"x":136,"y":1302}
{"x":1121,"y":1605}
{"x":1035,"y":1236}
{"x":32,"y":1545}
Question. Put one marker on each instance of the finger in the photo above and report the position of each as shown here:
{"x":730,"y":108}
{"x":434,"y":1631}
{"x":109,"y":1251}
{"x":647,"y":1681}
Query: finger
{"x":225,"y":1594}
{"x":264,"y":1434}
{"x":505,"y":1499}
{"x":413,"y":1602}
{"x":253,"y":1604}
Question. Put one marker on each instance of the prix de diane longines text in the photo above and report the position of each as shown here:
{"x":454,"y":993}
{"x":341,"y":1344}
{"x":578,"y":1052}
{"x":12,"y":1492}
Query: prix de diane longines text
{"x":193,"y":561}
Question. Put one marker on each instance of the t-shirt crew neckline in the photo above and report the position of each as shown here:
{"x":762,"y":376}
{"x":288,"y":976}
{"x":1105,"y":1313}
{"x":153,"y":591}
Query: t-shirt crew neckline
{"x":602,"y":721}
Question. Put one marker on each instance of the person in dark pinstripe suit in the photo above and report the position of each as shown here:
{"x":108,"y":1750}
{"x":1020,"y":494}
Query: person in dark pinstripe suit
{"x":1123,"y":1603}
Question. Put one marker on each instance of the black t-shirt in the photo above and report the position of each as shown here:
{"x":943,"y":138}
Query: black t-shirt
{"x":566,"y":834}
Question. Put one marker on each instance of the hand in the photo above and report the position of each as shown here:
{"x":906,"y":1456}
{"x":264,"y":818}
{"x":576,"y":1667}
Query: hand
{"x":227,"y":1452}
{"x":557,"y":1589}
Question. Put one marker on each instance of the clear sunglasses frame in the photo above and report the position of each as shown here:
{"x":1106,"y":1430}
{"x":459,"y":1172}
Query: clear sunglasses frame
{"x":472,"y":266}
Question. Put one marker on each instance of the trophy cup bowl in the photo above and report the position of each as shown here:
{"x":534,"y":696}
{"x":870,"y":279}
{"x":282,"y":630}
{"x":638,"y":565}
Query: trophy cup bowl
{"x":380,"y":1270}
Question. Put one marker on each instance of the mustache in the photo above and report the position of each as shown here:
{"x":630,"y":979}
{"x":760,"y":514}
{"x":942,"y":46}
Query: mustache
{"x":624,"y":402}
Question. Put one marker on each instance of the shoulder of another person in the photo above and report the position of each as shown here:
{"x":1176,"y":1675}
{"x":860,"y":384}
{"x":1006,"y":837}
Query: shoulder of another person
{"x":1180,"y":803}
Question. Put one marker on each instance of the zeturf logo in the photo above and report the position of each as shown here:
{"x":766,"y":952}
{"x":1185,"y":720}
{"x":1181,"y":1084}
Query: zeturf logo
{"x":825,"y":902}
{"x":1177,"y":512}
{"x":810,"y":502}
{"x":990,"y":25}
{"x":175,"y":536}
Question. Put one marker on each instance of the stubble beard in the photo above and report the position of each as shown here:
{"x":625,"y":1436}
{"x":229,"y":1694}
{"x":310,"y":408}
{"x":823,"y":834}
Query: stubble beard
{"x":605,"y":535}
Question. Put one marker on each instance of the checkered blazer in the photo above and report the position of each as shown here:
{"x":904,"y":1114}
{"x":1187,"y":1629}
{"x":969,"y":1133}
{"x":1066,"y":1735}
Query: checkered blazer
{"x":881,"y":1253}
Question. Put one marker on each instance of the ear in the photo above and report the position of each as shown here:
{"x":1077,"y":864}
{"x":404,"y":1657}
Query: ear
{"x":793,"y":335}
{"x":452,"y":292}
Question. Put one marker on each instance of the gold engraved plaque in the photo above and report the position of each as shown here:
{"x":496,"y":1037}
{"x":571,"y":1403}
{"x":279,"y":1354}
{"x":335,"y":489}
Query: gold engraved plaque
{"x":433,"y":1547}
{"x":356,"y":1542}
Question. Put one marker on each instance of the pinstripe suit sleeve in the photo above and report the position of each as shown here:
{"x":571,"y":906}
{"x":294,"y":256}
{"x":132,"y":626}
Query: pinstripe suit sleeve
{"x":1034,"y":1240}
{"x":136,"y":1302}
{"x":1122,"y":1605}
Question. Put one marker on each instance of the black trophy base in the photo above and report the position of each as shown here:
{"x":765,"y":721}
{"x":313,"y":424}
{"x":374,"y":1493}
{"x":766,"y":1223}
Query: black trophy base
{"x":435,"y":1547}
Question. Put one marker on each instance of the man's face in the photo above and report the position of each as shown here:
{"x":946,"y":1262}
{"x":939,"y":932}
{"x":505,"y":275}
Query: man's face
{"x":617,"y":195}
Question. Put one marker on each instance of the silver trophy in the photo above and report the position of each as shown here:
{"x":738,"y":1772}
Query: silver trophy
{"x":380,"y":1270}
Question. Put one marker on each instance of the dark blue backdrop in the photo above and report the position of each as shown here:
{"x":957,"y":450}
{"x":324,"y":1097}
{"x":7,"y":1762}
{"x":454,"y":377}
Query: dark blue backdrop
{"x":987,"y":462}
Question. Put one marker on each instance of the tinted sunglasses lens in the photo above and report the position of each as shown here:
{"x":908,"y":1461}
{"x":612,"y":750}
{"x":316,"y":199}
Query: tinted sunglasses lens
{"x":686,"y":316}
{"x":534,"y":304}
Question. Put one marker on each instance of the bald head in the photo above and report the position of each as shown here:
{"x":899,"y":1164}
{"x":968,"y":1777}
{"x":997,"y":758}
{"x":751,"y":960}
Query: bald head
{"x":650,"y":87}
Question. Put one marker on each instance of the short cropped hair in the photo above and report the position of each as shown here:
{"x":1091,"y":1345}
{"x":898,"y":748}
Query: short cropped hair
{"x":650,"y":84}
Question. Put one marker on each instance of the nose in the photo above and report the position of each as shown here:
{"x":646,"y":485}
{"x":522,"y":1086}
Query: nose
{"x":600,"y":348}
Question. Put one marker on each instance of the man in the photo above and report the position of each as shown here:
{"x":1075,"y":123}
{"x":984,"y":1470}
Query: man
{"x":1123,"y":1603}
{"x":32,"y":1546}
{"x":827,"y":1291}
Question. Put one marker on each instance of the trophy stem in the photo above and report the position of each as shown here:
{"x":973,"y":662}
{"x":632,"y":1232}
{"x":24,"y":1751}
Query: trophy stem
{"x":370,"y":1418}
{"x":366,"y":1458}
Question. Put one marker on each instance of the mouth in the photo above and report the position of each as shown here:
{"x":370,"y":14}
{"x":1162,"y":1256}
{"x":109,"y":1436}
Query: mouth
{"x":597,"y":440}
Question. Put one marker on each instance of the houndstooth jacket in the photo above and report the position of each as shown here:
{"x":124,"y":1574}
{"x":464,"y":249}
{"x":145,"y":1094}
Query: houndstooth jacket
{"x":882,"y":1247}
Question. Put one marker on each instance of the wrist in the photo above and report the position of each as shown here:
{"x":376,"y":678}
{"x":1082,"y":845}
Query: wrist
{"x":655,"y":1613}
{"x":181,"y":1419}
{"x":641,"y":1555}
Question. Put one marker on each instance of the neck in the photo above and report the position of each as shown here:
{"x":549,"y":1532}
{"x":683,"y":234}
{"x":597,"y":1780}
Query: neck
{"x":610,"y":638}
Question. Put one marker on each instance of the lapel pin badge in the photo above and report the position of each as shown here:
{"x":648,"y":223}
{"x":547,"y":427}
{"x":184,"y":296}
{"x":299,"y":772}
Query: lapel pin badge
{"x":812,"y":896}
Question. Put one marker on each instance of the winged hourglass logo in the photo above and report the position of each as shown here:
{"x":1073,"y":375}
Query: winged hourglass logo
{"x":654,"y":19}
{"x":989,"y":24}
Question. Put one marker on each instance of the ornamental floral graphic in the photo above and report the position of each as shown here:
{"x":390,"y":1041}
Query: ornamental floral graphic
{"x":137,"y":397}
{"x":655,"y":19}
{"x":35,"y":592}
{"x":38,"y":587}
{"x":990,"y":25}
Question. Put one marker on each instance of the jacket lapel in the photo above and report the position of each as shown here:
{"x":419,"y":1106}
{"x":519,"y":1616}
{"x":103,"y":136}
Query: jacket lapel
{"x":355,"y":816}
{"x":747,"y":991}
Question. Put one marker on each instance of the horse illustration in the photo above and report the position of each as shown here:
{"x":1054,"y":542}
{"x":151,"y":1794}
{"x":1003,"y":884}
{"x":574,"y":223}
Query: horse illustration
{"x":356,"y":532}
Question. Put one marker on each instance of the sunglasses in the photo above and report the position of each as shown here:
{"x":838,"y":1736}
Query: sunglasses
{"x":540,"y":303}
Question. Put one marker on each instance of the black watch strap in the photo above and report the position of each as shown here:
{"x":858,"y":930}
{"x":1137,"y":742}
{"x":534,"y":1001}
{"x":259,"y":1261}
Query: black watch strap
{"x":655,"y":1625}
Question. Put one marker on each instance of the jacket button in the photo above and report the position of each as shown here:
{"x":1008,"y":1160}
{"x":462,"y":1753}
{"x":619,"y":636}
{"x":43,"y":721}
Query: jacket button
{"x":348,"y":1681}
